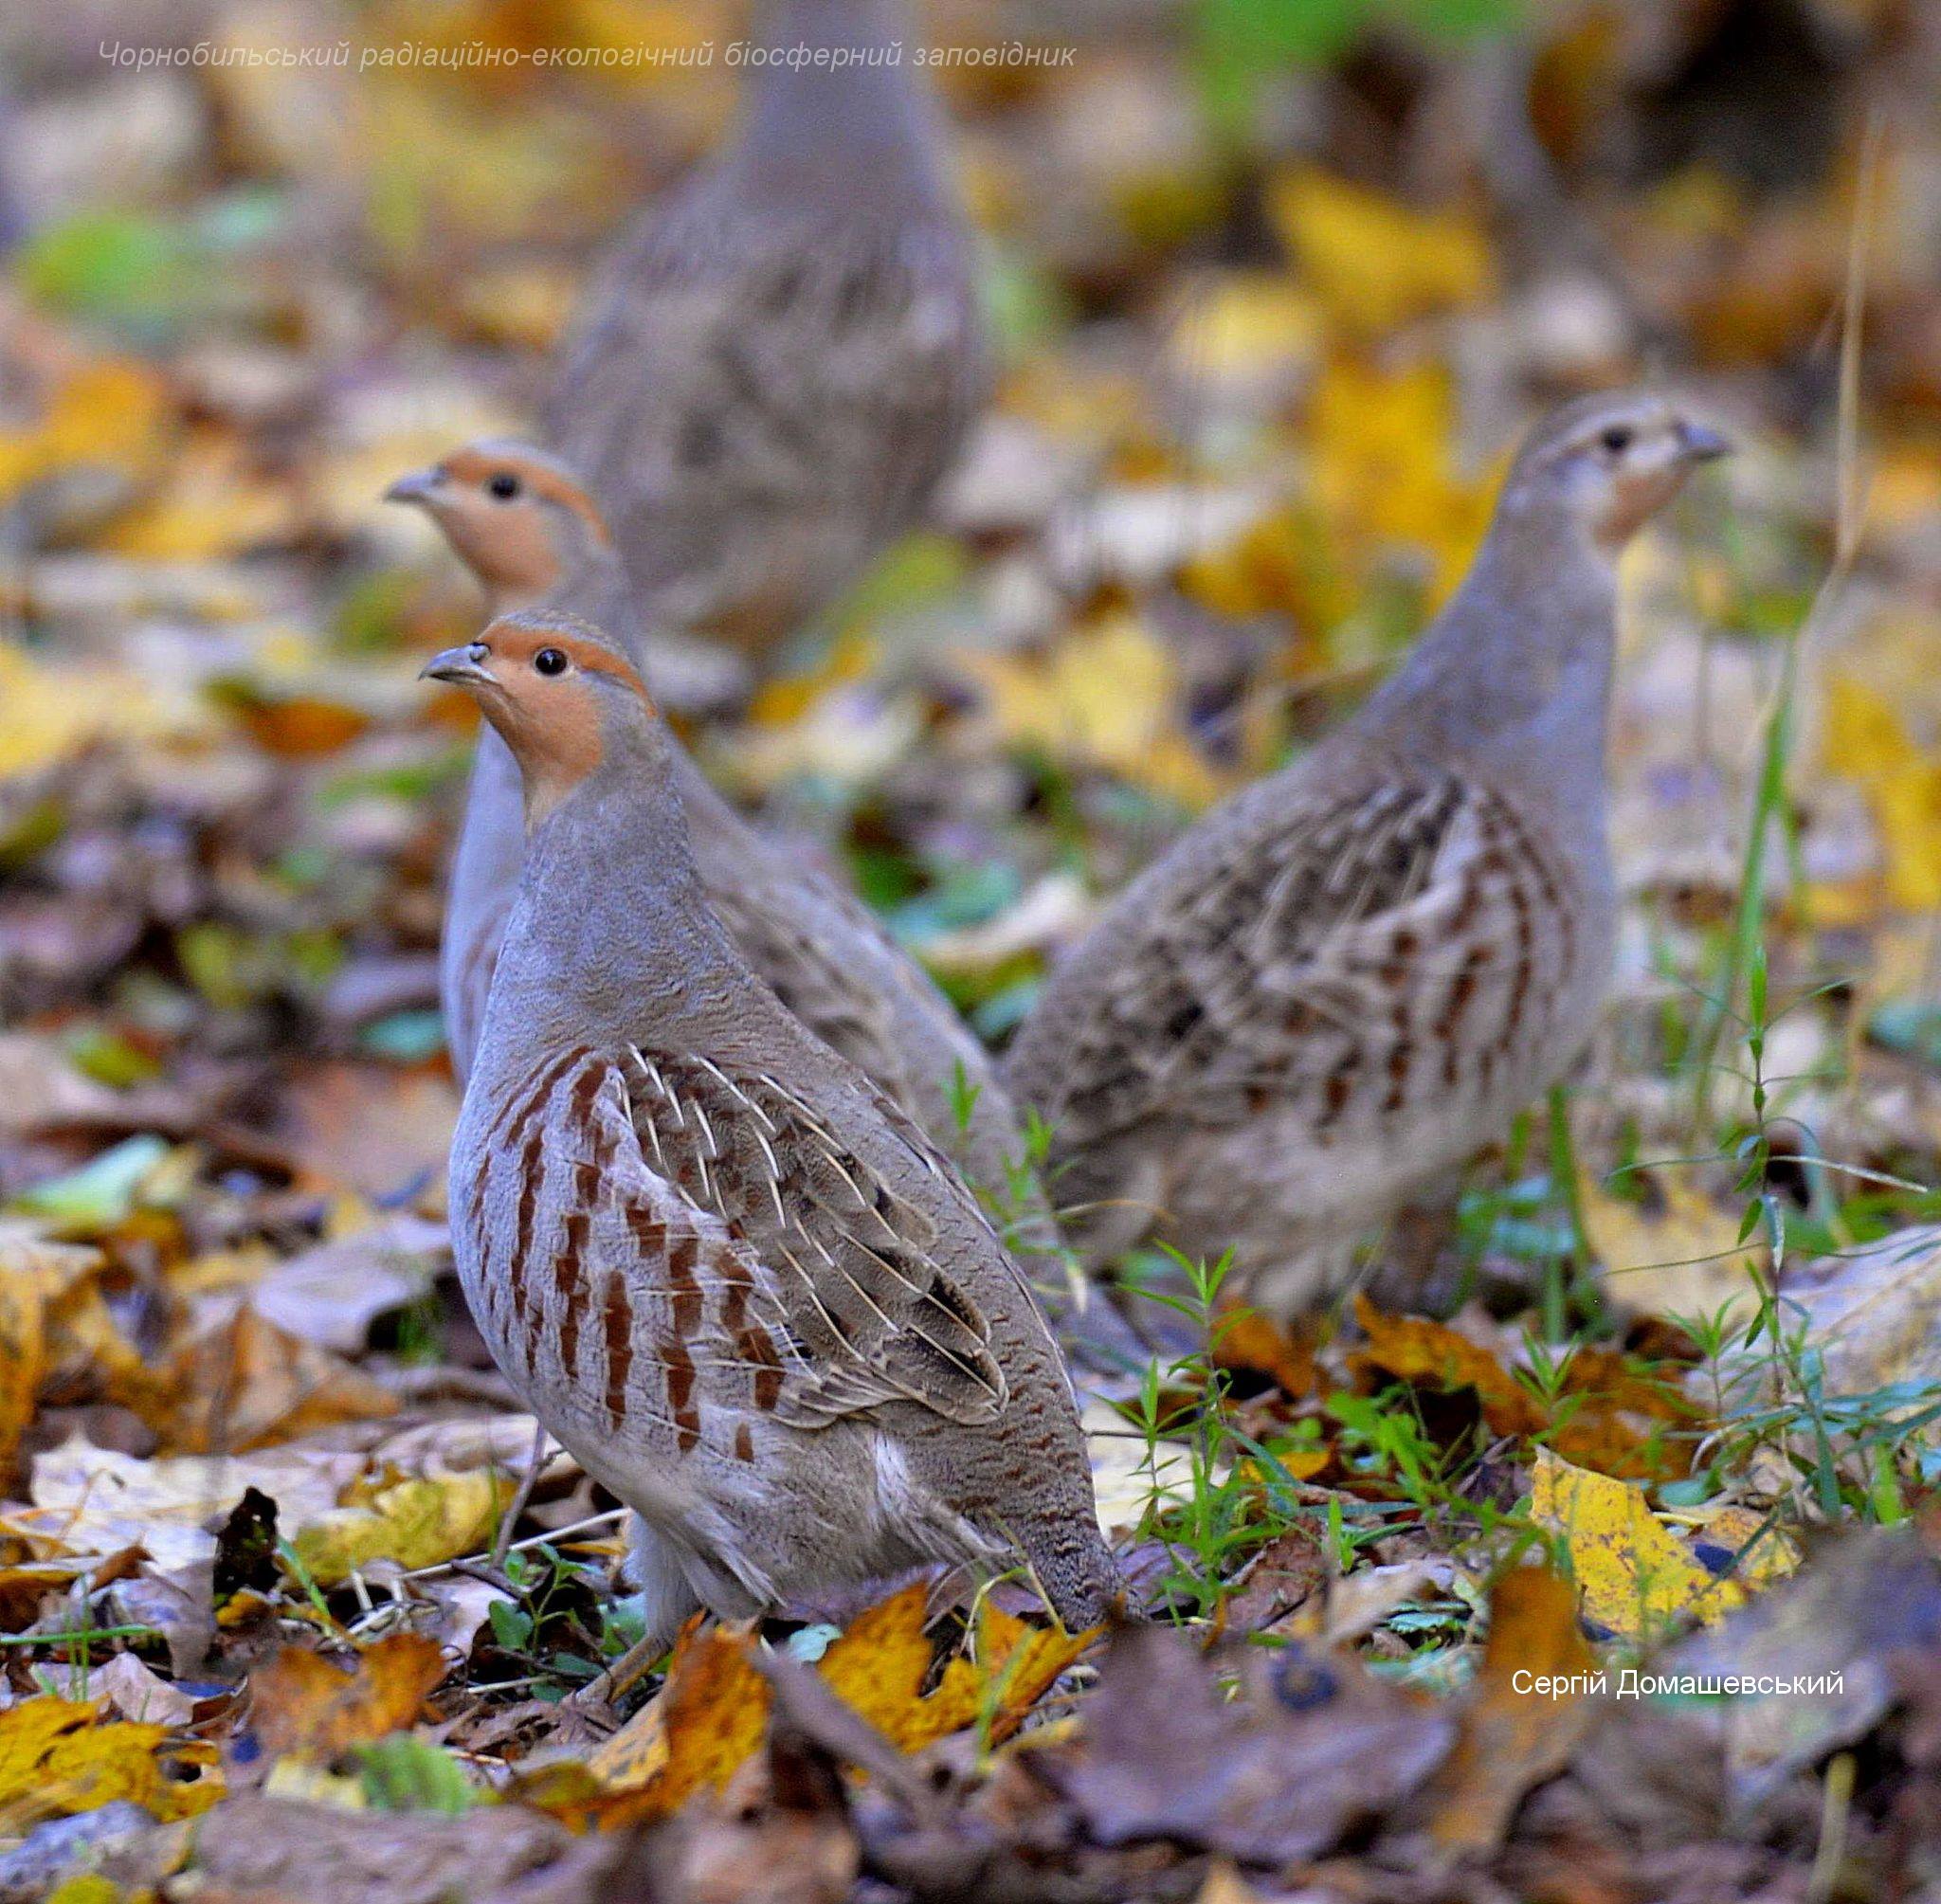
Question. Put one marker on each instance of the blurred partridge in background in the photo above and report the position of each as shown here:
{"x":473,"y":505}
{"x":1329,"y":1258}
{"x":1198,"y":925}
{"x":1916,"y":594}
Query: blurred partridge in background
{"x":744,"y":1290}
{"x":778,"y":366}
{"x":1349,"y":977}
{"x":528,"y":530}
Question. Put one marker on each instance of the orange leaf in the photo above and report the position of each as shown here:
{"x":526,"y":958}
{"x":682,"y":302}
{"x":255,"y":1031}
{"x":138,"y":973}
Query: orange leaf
{"x":1247,"y":1339}
{"x":714,"y":1710}
{"x":707,"y":1718}
{"x":879,"y":1664}
{"x":305,"y":1706}
{"x":1523,"y":1716}
{"x":1411,"y":1349}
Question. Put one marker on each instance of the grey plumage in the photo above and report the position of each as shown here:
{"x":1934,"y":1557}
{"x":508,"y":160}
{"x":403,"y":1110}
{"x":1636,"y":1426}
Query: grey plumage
{"x":818,"y":948}
{"x":723,"y":1267}
{"x":778,"y":365}
{"x":1347,"y":978}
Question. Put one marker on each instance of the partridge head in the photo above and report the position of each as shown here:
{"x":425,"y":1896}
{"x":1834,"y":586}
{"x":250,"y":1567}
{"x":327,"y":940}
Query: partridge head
{"x":719,"y":1263}
{"x":1339,"y":985}
{"x":518,"y":519}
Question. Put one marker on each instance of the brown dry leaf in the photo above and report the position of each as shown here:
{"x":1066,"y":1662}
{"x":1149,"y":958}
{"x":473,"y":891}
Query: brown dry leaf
{"x":1512,"y":1737}
{"x":35,"y":1274}
{"x":303,"y":1705}
{"x":1609,"y":1417}
{"x":1414,"y":1349}
{"x":59,"y":1756}
{"x":242,"y":1383}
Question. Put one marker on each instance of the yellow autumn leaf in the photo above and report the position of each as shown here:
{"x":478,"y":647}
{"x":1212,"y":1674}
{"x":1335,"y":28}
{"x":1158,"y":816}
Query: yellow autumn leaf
{"x":421,"y":1521}
{"x":1247,"y":328}
{"x":1676,"y":1254}
{"x":1373,"y":262}
{"x":49,"y":713}
{"x":1380,"y":445}
{"x":1861,"y":735}
{"x":1907,"y":802}
{"x":1864,"y":738}
{"x":112,"y":414}
{"x":1761,"y":1552}
{"x":60,"y":1756}
{"x":1634,"y":1576}
{"x":211,"y":507}
{"x":1107,"y":696}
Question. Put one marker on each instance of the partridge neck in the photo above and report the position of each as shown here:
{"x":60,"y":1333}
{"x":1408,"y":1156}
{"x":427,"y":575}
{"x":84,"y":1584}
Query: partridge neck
{"x":1518,"y":668}
{"x":860,"y":121}
{"x":612,"y":931}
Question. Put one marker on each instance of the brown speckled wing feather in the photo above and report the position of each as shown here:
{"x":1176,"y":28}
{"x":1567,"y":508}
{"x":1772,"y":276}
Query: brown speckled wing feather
{"x":870,"y":1312}
{"x":1363,"y":950}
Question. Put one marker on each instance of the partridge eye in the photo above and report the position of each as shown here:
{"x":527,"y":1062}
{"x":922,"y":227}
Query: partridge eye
{"x":504,"y":484}
{"x":1617,"y":439}
{"x":549,"y":661}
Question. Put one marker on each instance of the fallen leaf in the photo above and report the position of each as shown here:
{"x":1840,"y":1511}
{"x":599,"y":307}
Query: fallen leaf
{"x":1107,"y":696}
{"x":708,"y":1716}
{"x":1607,"y":1414}
{"x":138,"y":1693}
{"x":301,"y":1704}
{"x":1247,"y":1339}
{"x":59,"y":1756}
{"x":1827,"y":1640}
{"x":1634,"y":1576}
{"x":421,"y":1521}
{"x":33,"y":1273}
{"x":1309,"y":1746}
{"x":331,"y":1295}
{"x":1411,"y":1349}
{"x":1375,"y":264}
{"x":239,"y":1381}
{"x":1678,"y":1253}
{"x":93,"y":1501}
{"x":1524,"y":1716}
{"x":687,"y":1738}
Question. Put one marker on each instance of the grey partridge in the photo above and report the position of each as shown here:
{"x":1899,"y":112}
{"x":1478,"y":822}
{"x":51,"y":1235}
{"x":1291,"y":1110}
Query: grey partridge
{"x":717,"y":1263}
{"x":523,"y":524}
{"x":1346,"y":980}
{"x":779,"y":364}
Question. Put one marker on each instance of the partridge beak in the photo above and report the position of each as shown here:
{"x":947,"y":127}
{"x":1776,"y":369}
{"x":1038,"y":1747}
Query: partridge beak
{"x":461,"y":667}
{"x":1697,"y":444}
{"x":420,"y":486}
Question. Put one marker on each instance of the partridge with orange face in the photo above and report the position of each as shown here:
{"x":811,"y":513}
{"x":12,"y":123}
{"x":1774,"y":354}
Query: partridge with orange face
{"x":522,"y":524}
{"x":717,"y":1263}
{"x":778,"y":367}
{"x":1348,"y":978}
